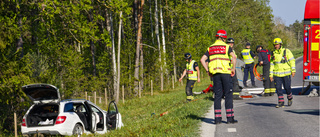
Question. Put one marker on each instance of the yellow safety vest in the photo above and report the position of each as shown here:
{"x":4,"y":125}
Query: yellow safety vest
{"x":246,"y":56}
{"x":219,"y":58}
{"x":192,"y":74}
{"x":279,"y":67}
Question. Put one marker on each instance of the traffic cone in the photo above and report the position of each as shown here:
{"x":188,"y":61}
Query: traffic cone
{"x":208,"y":89}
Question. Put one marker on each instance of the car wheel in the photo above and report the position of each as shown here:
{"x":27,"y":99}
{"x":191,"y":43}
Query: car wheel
{"x":77,"y":130}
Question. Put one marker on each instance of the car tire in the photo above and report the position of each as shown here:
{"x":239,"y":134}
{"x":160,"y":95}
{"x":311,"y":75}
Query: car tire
{"x":77,"y":130}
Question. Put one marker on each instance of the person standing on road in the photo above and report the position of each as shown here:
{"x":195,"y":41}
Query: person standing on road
{"x":234,"y":82}
{"x":264,"y":61}
{"x":248,"y":58}
{"x":219,"y":68}
{"x":282,"y":66}
{"x":193,"y":75}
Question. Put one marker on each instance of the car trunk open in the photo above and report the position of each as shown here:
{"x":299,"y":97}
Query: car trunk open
{"x":43,"y":115}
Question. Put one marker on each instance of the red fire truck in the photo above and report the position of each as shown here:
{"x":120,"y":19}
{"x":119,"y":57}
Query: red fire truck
{"x":311,"y":54}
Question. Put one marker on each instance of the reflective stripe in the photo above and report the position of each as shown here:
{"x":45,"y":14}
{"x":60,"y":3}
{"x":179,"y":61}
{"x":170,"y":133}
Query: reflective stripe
{"x":281,"y":73}
{"x":230,"y":115}
{"x":217,"y":115}
{"x":218,"y":110}
{"x":291,"y":59}
{"x":220,"y":59}
{"x":293,"y":68}
{"x":271,"y":64}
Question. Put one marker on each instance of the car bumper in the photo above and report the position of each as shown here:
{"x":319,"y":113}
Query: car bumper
{"x":50,"y":130}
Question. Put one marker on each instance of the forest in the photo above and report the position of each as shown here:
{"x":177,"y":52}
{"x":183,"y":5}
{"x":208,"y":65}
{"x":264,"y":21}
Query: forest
{"x":92,"y":45}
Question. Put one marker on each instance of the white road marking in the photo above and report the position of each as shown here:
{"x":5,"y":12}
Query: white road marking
{"x":232,"y":130}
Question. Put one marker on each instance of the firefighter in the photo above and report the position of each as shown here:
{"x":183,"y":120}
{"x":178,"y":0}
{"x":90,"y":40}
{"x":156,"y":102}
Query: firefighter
{"x":282,"y":66}
{"x":248,"y":58}
{"x":193,"y":75}
{"x":219,"y":68}
{"x":234,"y":82}
{"x":264,"y":61}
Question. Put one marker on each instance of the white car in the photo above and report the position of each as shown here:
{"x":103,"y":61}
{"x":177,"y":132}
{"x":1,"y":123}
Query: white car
{"x":51,"y":116}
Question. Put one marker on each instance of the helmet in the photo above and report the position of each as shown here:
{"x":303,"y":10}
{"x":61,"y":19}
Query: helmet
{"x":187,"y":56}
{"x":277,"y":41}
{"x":221,"y":33}
{"x":230,"y":40}
{"x":258,"y":47}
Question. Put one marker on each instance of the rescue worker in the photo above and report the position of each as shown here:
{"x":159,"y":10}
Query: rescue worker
{"x":248,"y":58}
{"x":282,"y":66}
{"x":219,"y":68}
{"x":264,"y":61}
{"x":193,"y":75}
{"x":234,"y":82}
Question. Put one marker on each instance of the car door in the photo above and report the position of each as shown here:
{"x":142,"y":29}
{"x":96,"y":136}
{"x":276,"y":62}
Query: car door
{"x":113,"y":118}
{"x":92,"y":117}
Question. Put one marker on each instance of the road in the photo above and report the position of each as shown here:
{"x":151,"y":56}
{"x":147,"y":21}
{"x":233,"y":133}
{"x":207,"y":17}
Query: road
{"x":258,"y":116}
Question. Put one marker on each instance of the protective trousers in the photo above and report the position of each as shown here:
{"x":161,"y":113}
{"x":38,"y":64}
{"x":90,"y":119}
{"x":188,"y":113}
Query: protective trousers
{"x":222,"y":87}
{"x":235,"y":85}
{"x":269,"y":86}
{"x":189,"y":87}
{"x":248,"y":67}
{"x":286,"y":81}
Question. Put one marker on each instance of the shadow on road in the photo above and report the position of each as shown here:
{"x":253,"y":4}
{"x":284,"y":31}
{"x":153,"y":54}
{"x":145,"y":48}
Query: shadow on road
{"x":203,"y":119}
{"x":305,"y":111}
{"x":296,"y":91}
{"x":263,"y":104}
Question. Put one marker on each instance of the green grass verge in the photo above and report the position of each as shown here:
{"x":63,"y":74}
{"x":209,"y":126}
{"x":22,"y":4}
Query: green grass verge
{"x":141,"y":116}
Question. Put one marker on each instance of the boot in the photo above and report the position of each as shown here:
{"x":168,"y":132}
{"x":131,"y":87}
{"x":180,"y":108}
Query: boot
{"x":232,"y":121}
{"x":272,"y":93}
{"x":266,"y":94}
{"x":289,"y":102}
{"x":280,"y":105}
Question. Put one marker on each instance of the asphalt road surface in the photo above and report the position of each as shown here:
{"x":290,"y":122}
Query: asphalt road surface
{"x":258,"y":117}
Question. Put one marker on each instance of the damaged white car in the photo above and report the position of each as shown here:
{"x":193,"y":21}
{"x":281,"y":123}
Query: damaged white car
{"x":51,"y":116}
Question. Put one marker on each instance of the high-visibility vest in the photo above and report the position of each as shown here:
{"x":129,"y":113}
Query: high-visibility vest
{"x":192,"y":74}
{"x":219,"y":58}
{"x":282,"y":65}
{"x":247,"y":56}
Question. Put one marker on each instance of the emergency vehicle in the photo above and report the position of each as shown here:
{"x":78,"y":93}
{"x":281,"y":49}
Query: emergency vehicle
{"x":311,"y":54}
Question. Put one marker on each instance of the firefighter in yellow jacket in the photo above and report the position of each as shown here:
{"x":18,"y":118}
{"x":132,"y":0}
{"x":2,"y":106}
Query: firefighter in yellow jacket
{"x":282,"y":66}
{"x":193,"y":75}
{"x":219,"y":69}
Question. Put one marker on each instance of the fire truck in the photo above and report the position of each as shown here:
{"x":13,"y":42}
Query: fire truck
{"x":311,"y":54}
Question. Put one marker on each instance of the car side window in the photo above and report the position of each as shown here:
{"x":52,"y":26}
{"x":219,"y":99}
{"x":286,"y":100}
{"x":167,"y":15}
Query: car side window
{"x":80,"y":108}
{"x":68,"y":107}
{"x":94,"y":109}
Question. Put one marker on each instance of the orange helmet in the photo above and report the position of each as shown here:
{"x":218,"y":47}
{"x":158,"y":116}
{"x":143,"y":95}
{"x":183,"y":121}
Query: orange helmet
{"x":221,"y":33}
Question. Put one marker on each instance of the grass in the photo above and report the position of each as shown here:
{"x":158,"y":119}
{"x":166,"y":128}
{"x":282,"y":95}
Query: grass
{"x":141,"y":116}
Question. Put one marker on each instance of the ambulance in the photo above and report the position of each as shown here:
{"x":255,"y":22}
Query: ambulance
{"x":311,"y":54}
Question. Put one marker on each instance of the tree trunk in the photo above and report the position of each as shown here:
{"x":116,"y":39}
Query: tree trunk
{"x":173,"y":57}
{"x":119,"y":47}
{"x":114,"y":65}
{"x":156,"y":20}
{"x":92,"y":49}
{"x":139,"y":38}
{"x":163,"y":38}
{"x":151,"y":24}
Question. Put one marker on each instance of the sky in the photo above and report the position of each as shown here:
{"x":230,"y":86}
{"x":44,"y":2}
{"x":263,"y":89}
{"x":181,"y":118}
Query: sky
{"x":288,"y":10}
